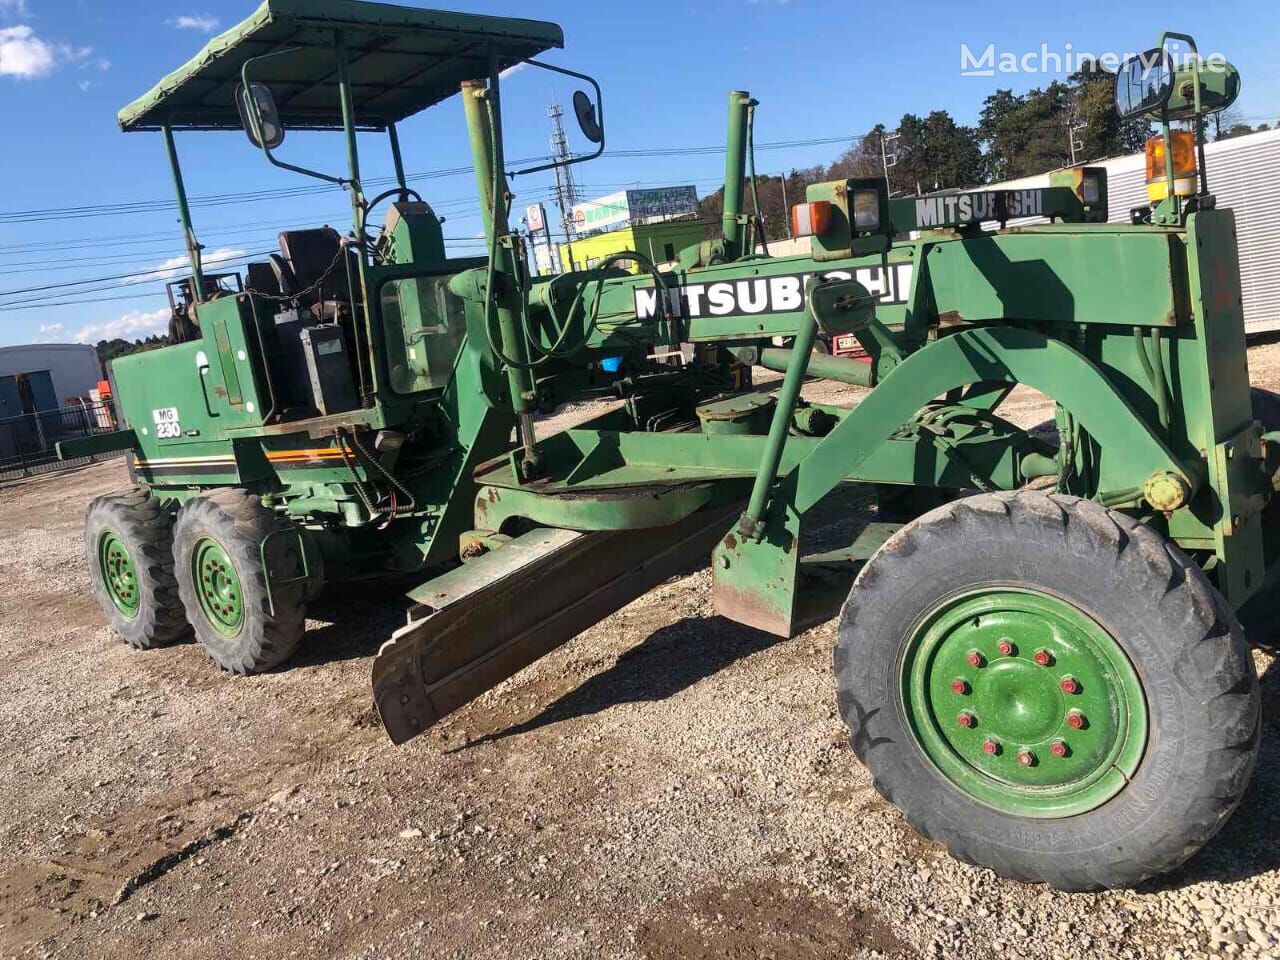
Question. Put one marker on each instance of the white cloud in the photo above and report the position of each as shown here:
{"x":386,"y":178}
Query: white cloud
{"x":134,"y":325}
{"x":200,"y":21}
{"x":84,"y":85}
{"x":50,"y":333}
{"x":168,"y":269}
{"x":514,"y":68}
{"x":27,"y":56}
{"x":24,"y":55}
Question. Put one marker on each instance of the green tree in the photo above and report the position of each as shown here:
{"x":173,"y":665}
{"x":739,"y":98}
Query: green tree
{"x":936,"y":153}
{"x":1027,"y":134}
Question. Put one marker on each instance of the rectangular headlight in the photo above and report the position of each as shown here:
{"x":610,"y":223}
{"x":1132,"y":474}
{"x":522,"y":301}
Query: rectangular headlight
{"x":1089,"y":190}
{"x":866,"y":211}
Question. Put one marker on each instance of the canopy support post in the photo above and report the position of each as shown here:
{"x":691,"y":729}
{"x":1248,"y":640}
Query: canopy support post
{"x":184,"y":216}
{"x":349,"y":130}
{"x":396,"y":157}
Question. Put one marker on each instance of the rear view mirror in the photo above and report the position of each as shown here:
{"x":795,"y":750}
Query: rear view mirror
{"x":259,"y":116}
{"x":1144,"y":83}
{"x":588,"y":122}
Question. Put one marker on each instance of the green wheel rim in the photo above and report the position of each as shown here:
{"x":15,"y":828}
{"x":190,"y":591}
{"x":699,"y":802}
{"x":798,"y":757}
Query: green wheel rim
{"x":118,"y":574}
{"x":1024,"y":702}
{"x":217,"y":587}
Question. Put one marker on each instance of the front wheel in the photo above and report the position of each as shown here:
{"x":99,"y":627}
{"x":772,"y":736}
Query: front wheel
{"x":1048,"y":688}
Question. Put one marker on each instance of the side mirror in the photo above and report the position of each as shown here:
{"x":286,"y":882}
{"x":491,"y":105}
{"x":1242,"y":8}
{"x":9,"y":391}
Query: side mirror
{"x":259,"y":116}
{"x":1144,"y":83}
{"x":588,"y":122}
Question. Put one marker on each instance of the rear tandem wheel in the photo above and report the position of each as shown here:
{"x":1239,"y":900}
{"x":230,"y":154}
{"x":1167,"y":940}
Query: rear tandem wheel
{"x":128,"y":544}
{"x":243,"y":625}
{"x":1048,"y":688}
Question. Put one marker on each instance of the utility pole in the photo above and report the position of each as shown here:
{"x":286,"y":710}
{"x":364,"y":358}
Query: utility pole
{"x":1074,"y":126}
{"x":786,"y":207}
{"x":566,"y":189}
{"x":888,"y":157}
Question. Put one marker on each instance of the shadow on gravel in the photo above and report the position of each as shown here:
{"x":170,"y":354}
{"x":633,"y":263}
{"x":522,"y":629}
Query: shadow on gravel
{"x":1246,"y":846}
{"x":357,"y":619}
{"x":669,"y":660}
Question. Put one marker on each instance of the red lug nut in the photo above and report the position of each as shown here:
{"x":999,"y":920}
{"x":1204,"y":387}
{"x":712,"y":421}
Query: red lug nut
{"x":966,"y":719}
{"x":1070,"y":685}
{"x":1059,"y":748}
{"x":1006,"y":648}
{"x":1026,"y":758}
{"x":991,"y":747}
{"x":1043,"y":657}
{"x":975,"y":659}
{"x":959,"y":686}
{"x":1075,"y":720}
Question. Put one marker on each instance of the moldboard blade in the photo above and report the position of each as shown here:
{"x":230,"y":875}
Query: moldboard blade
{"x":490,"y":618}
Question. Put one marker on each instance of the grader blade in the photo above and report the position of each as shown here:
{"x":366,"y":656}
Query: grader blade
{"x":485,"y":621}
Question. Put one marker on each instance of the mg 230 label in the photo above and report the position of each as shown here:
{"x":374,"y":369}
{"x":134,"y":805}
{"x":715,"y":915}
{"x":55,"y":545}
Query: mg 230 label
{"x":167,"y":425}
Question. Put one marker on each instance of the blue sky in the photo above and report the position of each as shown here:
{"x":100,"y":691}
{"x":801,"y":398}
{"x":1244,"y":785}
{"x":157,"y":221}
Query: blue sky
{"x":821,"y":69}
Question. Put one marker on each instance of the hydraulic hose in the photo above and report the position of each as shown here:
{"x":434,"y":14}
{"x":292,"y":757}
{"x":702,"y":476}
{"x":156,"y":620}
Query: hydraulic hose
{"x":751,"y":171}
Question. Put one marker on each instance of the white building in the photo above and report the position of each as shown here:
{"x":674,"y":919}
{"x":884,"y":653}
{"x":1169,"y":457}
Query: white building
{"x":46,"y":376}
{"x":1244,"y":176}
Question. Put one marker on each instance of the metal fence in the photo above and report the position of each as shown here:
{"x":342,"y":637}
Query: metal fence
{"x":27,"y":442}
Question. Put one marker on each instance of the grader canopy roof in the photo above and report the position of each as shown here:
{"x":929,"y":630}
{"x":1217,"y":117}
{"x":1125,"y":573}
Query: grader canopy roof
{"x":402,"y":60}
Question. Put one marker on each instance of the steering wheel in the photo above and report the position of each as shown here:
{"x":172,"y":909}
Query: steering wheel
{"x":403,"y":192}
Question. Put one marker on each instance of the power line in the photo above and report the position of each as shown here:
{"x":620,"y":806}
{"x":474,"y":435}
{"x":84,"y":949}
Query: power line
{"x":45,"y":214}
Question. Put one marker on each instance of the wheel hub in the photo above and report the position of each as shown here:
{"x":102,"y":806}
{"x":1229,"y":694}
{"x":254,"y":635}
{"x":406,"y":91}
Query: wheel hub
{"x":1024,"y":702}
{"x":217,"y":587}
{"x":118,"y":574}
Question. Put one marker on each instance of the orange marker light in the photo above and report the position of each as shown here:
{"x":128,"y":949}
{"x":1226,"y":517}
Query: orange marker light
{"x":810,"y":219}
{"x":1184,"y":166}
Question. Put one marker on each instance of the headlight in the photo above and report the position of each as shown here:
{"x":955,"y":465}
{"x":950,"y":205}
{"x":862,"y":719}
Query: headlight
{"x":1090,"y":193}
{"x":866,"y":211}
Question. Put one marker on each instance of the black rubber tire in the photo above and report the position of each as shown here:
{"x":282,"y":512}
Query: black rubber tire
{"x":1260,"y":615}
{"x":1186,"y":647}
{"x":240,"y":523}
{"x":146,"y":530}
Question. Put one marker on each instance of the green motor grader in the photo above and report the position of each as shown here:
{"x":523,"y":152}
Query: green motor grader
{"x":1041,"y":656}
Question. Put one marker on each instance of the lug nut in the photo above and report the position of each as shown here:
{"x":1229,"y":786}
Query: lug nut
{"x":966,"y":719}
{"x":959,"y":686}
{"x":1075,"y":720}
{"x":1059,"y":748}
{"x":1006,"y":648}
{"x":975,"y":659}
{"x":1026,"y":758}
{"x":1070,"y":685}
{"x":1043,"y":657}
{"x":991,"y":747}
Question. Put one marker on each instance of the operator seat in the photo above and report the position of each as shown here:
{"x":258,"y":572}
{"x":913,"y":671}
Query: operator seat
{"x":309,"y":267}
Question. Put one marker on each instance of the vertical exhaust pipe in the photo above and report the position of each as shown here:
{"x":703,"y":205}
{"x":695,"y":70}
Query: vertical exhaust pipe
{"x":735,"y":173}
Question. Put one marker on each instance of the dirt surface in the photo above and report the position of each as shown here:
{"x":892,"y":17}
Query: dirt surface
{"x":670,"y":784}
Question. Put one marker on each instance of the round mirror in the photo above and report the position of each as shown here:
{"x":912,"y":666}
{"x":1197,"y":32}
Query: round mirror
{"x":258,"y":113}
{"x":585,"y":111}
{"x":1144,"y":83}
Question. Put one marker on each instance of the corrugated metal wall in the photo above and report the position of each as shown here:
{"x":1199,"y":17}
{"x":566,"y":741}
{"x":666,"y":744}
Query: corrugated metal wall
{"x":1244,"y":174}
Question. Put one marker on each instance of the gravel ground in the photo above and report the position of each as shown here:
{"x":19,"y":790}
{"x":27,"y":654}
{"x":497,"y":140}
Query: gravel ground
{"x":670,"y":784}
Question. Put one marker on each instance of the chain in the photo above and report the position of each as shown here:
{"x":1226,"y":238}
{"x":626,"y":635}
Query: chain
{"x":342,"y":249}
